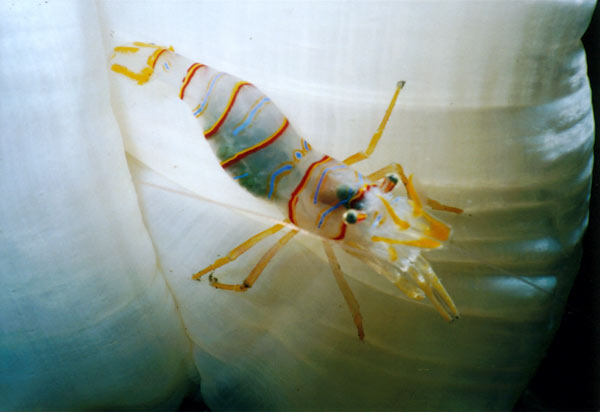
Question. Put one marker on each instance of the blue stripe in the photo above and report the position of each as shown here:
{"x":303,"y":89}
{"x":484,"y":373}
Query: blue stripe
{"x":274,"y":175}
{"x":306,"y":145}
{"x":250,"y":116}
{"x":323,"y":177}
{"x":197,"y":112}
{"x":240,"y":176}
{"x":331,"y":209}
{"x":377,"y":219}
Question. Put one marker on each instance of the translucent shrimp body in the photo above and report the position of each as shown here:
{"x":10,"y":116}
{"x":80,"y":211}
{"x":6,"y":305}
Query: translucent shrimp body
{"x":257,"y":146}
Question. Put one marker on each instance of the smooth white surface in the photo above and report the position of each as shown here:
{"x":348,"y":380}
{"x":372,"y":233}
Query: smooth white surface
{"x":86,"y":319}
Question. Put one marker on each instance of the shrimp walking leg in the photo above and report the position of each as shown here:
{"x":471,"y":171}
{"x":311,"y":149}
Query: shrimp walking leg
{"x":410,"y":190}
{"x":394,"y":167}
{"x":429,"y":283}
{"x":359,"y":156}
{"x":235,"y":253}
{"x":257,"y":146}
{"x":258,"y":269}
{"x":345,"y":289}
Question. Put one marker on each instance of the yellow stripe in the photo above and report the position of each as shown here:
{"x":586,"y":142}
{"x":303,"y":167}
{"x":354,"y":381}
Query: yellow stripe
{"x":300,"y":188}
{"x":239,"y":154}
{"x":279,"y":176}
{"x":437,"y":229}
{"x":247,"y":113}
{"x":227,"y":106}
{"x":412,"y":194}
{"x":184,"y":83}
{"x":144,"y":75}
{"x":422,"y":242}
{"x":325,"y":160}
{"x":393,"y":253}
{"x":206,"y":95}
{"x":141,"y":77}
{"x":399,"y":222}
{"x":154,"y":56}
{"x":126,"y":49}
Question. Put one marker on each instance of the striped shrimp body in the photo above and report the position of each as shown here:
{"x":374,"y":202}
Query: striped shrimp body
{"x":257,"y":146}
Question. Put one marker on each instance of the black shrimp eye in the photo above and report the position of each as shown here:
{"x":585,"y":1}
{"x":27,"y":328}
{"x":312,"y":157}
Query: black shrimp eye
{"x":344,"y":192}
{"x":357,"y":204}
{"x":352,"y":216}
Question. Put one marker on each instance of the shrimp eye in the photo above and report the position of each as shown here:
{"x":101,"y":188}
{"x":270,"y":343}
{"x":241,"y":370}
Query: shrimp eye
{"x":389,"y":182}
{"x":357,"y":204}
{"x":344,"y":192}
{"x":353,"y":216}
{"x":392,"y":177}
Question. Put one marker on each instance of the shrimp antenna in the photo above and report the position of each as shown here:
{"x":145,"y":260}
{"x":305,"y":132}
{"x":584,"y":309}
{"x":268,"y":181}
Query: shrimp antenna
{"x":357,"y":157}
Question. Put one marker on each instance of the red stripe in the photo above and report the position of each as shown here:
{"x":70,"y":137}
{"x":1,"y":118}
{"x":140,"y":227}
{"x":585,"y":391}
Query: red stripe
{"x":342,"y":233}
{"x":189,"y":79}
{"x":157,"y":57}
{"x":215,"y":128}
{"x":294,"y":197}
{"x":187,"y":71}
{"x":266,"y":143}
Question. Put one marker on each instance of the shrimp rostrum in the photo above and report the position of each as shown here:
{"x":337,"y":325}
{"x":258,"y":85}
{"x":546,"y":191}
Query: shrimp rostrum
{"x":257,"y":147}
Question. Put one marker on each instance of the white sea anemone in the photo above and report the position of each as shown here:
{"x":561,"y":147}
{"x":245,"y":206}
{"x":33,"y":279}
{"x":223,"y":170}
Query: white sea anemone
{"x":98,"y":308}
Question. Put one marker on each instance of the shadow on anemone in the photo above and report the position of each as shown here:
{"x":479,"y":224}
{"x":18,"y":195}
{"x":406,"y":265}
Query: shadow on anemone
{"x":569,"y":377}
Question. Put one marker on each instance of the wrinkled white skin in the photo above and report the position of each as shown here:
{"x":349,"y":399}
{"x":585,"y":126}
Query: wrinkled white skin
{"x":495,"y":118}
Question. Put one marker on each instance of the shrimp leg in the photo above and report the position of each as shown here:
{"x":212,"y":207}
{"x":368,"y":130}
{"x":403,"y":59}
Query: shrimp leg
{"x":394,"y":167}
{"x":410,"y":190}
{"x":235,"y":253}
{"x":345,"y":289}
{"x":258,"y":269}
{"x":359,"y":156}
{"x":429,"y":283}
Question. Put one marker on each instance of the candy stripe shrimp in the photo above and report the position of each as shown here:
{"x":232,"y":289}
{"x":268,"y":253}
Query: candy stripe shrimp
{"x":258,"y":147}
